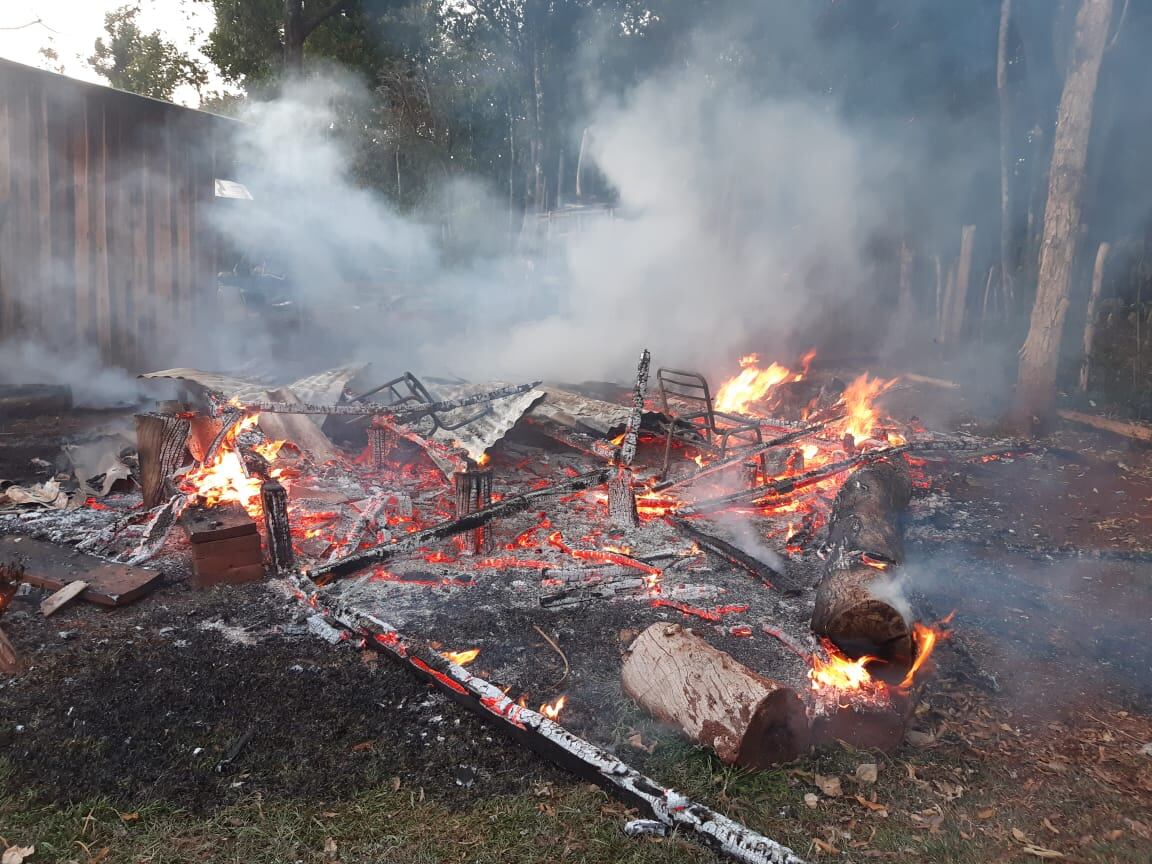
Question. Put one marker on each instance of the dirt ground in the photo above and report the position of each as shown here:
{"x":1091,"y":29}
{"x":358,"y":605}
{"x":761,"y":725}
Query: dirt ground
{"x":197,"y":726}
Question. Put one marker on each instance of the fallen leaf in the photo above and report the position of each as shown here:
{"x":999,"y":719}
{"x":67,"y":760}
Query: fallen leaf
{"x":830,"y":786}
{"x":395,"y":784}
{"x":330,"y":853}
{"x":637,"y":741}
{"x":867,"y":772}
{"x":1019,"y":835}
{"x":362,"y":746}
{"x":1049,"y":825}
{"x":879,"y":809}
{"x":986,"y":813}
{"x":129,"y":817}
{"x":1041,"y":852}
{"x":329,"y":814}
{"x":825,"y":847}
{"x":810,"y":800}
{"x":1115,"y":834}
{"x":16,"y":854}
{"x":919,"y":739}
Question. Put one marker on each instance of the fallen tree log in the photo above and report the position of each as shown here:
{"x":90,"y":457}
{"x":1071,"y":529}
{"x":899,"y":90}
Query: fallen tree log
{"x":1135,"y":431}
{"x":859,"y":606}
{"x":767,"y":574}
{"x":749,"y":720}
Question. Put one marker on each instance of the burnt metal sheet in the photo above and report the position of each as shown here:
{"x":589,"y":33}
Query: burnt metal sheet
{"x":488,"y":428}
{"x":584,"y":413}
{"x":47,"y":565}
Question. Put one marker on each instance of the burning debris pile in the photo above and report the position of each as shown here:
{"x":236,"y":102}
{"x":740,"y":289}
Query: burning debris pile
{"x":768,"y":519}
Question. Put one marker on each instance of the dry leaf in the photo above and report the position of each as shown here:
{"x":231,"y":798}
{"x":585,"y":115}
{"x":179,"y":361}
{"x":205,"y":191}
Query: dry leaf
{"x":362,"y":746}
{"x":867,"y":772}
{"x":637,"y":741}
{"x":919,"y":739}
{"x":1019,"y":835}
{"x":330,"y":849}
{"x":16,"y":854}
{"x":1041,"y":852}
{"x":129,"y":817}
{"x":830,"y":786}
{"x":879,"y":809}
{"x":986,"y":813}
{"x":395,"y":783}
{"x":810,"y":800}
{"x":825,"y":847}
{"x":1049,"y":825}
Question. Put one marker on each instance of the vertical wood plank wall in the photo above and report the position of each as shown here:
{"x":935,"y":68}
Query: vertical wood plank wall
{"x":104,"y":199}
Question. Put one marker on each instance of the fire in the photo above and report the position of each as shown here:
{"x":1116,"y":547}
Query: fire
{"x":751,"y":384}
{"x":926,"y":639}
{"x":483,"y":460}
{"x":840,"y":673}
{"x":858,"y":399}
{"x":552,"y":710}
{"x":224,"y":480}
{"x":461,"y":658}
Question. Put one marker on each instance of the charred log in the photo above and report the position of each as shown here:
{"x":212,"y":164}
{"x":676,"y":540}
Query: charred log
{"x":632,"y":430}
{"x":274,"y":500}
{"x":474,"y":493}
{"x":622,"y":511}
{"x":856,"y":601}
{"x":762,"y":571}
{"x":747,"y":719}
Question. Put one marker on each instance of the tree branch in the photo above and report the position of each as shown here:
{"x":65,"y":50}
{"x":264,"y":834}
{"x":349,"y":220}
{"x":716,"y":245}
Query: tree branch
{"x":315,"y":21}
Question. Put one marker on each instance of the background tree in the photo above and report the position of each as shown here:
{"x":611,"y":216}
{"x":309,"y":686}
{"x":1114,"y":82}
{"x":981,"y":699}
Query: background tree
{"x":139,"y":62}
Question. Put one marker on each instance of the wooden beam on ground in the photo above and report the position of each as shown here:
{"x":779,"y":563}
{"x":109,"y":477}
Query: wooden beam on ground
{"x":62,"y":598}
{"x":1124,"y":428}
{"x":47,"y":565}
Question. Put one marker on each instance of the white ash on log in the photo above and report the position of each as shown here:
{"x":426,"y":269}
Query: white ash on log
{"x":366,"y":520}
{"x":161,"y":441}
{"x":274,"y":501}
{"x":749,"y":720}
{"x":377,"y":446}
{"x":399,"y":415}
{"x":856,"y":600}
{"x":622,"y":512}
{"x":553,"y":741}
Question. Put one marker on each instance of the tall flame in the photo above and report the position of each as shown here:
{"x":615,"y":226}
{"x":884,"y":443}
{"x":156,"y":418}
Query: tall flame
{"x":750,"y":385}
{"x":858,"y":399}
{"x":224,"y":479}
{"x":552,"y":710}
{"x":839,"y":672}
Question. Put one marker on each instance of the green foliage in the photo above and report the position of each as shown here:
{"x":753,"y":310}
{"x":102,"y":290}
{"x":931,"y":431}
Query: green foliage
{"x":139,"y":62}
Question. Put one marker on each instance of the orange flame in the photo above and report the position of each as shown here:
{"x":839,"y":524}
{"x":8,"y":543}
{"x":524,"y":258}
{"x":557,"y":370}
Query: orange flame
{"x":224,"y":480}
{"x":461,"y":658}
{"x":926,"y":639}
{"x":552,"y":710}
{"x":483,"y":460}
{"x":858,"y":399}
{"x":750,"y":385}
{"x":840,"y":673}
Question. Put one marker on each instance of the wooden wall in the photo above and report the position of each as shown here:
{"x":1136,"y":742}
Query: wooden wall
{"x":104,"y":199}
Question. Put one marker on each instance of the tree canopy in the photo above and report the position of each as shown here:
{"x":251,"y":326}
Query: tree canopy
{"x":144,"y":63}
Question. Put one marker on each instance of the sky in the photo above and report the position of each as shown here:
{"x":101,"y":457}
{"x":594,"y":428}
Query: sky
{"x":71,"y":27}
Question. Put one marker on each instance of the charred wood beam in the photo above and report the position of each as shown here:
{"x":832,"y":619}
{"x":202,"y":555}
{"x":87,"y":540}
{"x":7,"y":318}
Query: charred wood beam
{"x":506,"y":507}
{"x":399,"y":415}
{"x":580,"y":441}
{"x":229,"y":420}
{"x":858,"y":604}
{"x":274,"y":501}
{"x":553,"y":741}
{"x":355,"y":535}
{"x":760,"y":570}
{"x":161,"y":440}
{"x":157,"y":530}
{"x":744,"y":455}
{"x":632,"y":430}
{"x":786,"y":485}
{"x":447,"y":458}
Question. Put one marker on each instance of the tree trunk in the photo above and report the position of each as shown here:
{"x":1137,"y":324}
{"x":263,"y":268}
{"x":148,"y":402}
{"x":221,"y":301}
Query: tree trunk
{"x":1040,"y":355}
{"x":580,"y":164}
{"x":1005,"y":97}
{"x":1090,"y":321}
{"x":294,"y":36}
{"x":747,"y":719}
{"x":958,"y":308}
{"x":858,"y":604}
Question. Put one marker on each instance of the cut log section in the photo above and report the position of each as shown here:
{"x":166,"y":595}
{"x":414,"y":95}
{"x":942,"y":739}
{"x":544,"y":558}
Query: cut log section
{"x":857,"y":605}
{"x":747,"y":719}
{"x":161,"y":440}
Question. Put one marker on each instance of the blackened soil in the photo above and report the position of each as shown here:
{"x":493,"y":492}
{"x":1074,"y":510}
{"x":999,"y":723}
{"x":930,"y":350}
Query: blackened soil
{"x":142,"y":704}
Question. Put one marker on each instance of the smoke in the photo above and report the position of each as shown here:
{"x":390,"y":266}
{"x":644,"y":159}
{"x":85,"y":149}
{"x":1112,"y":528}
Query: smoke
{"x":79,"y":367}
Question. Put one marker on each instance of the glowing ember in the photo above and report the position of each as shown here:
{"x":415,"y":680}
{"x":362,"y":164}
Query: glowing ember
{"x":751,"y":385}
{"x":461,"y":658}
{"x":552,"y":710}
{"x":483,"y":460}
{"x":858,"y":399}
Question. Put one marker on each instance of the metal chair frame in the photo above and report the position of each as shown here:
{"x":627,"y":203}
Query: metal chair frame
{"x":702,"y":418}
{"x":415,"y":393}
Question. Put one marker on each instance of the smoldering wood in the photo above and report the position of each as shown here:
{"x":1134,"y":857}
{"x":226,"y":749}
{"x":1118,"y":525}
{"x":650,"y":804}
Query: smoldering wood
{"x":632,"y":430}
{"x":765,"y":573}
{"x":161,"y":441}
{"x":786,"y":485}
{"x":474,"y":493}
{"x":553,"y":741}
{"x":377,"y":446}
{"x":856,"y":601}
{"x":749,"y":720}
{"x":744,"y":455}
{"x":866,"y":724}
{"x":622,"y":511}
{"x":578,"y":595}
{"x":448,"y":459}
{"x":355,"y":535}
{"x":229,"y":420}
{"x":501,"y":509}
{"x":274,"y":501}
{"x":156,"y":531}
{"x":580,"y":441}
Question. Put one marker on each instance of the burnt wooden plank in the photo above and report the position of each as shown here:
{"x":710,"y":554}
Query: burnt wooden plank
{"x":244,"y":547}
{"x":207,"y":524}
{"x":47,"y":565}
{"x":205,"y":578}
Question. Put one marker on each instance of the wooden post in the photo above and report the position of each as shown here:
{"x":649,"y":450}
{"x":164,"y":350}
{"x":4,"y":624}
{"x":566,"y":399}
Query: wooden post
{"x":274,"y":500}
{"x":747,"y":719}
{"x":1040,"y":354}
{"x":1090,"y":321}
{"x":161,"y":440}
{"x":1004,"y":96}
